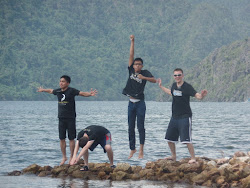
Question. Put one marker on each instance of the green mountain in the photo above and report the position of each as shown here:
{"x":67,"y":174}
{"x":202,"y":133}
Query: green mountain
{"x":225,"y":73}
{"x":89,"y":41}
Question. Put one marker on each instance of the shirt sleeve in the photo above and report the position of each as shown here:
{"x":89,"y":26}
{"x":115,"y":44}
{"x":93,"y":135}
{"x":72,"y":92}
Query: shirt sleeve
{"x":76,"y":91}
{"x":147,"y":74}
{"x":191,"y":91}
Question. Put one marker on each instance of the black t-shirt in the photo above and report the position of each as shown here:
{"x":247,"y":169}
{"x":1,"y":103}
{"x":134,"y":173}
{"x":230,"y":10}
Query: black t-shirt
{"x":95,"y":132}
{"x":135,"y":86}
{"x":66,"y":102}
{"x":181,"y":100}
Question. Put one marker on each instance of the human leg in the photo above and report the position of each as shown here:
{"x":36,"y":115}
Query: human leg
{"x":71,"y":127}
{"x":62,"y":136}
{"x":173,"y":151}
{"x":109,"y":150}
{"x":140,"y":112}
{"x":131,"y":128}
{"x":172,"y":135}
{"x":185,"y":127}
{"x":72,"y":147}
{"x":191,"y":151}
{"x":63,"y":150}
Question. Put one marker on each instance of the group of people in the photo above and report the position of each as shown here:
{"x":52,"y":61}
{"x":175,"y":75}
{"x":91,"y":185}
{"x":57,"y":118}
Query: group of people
{"x":180,"y":125}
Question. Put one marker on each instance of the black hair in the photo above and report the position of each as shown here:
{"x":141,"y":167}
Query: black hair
{"x":178,"y":69}
{"x":67,"y":78}
{"x":83,"y":141}
{"x":138,"y":59}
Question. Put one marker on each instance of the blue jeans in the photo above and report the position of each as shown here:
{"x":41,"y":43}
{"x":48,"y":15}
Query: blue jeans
{"x":136,"y":111}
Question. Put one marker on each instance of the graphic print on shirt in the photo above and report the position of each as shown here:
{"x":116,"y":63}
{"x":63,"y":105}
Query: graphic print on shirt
{"x":177,"y":93}
{"x":63,"y":97}
{"x":134,"y":77}
{"x":62,"y":100}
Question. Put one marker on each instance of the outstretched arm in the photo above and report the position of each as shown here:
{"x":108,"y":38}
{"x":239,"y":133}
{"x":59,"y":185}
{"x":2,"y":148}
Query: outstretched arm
{"x":201,"y":95}
{"x":40,"y":89}
{"x":131,"y":52}
{"x":166,"y":90}
{"x":88,"y":94}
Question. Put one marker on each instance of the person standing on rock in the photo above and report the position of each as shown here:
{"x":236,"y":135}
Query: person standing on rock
{"x":135,"y":91}
{"x":180,"y":124}
{"x":88,"y":139}
{"x":66,"y":112}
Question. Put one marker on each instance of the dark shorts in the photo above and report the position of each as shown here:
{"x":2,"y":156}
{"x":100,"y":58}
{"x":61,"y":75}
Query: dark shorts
{"x":179,"y":128}
{"x":67,"y":124}
{"x":106,"y":140}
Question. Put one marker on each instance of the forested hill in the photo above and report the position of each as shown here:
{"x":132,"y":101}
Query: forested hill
{"x":89,"y":40}
{"x":225,"y":73}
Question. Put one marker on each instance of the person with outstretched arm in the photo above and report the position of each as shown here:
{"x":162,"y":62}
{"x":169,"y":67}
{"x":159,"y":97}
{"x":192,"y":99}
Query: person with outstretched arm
{"x":66,"y":112}
{"x":134,"y":89}
{"x":88,"y":139}
{"x":180,"y":124}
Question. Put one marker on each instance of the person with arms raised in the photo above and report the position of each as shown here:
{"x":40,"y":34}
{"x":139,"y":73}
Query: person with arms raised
{"x":135,"y":91}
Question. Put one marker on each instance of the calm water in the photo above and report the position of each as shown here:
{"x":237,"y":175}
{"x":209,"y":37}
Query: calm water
{"x":28,"y":134}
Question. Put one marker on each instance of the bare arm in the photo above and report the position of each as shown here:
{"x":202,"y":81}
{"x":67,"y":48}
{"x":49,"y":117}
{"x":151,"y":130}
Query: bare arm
{"x":150,"y":79}
{"x":73,"y":160}
{"x":88,"y":94}
{"x":40,"y":89}
{"x":166,"y":90}
{"x":131,"y":52}
{"x":84,"y":149}
{"x":201,"y":95}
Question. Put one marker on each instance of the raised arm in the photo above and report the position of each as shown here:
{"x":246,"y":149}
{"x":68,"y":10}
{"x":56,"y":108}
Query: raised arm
{"x":131,"y":52}
{"x":88,"y":94}
{"x":40,"y":89}
{"x":166,"y":90}
{"x":201,"y":95}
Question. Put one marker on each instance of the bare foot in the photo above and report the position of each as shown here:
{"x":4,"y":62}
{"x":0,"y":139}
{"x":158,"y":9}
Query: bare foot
{"x":192,"y":161}
{"x":63,"y":161}
{"x":171,"y":158}
{"x":131,"y":153}
{"x":140,"y":155}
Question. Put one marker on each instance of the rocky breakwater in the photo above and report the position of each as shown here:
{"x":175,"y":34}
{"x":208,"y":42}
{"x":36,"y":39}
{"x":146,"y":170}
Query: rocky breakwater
{"x":225,"y":172}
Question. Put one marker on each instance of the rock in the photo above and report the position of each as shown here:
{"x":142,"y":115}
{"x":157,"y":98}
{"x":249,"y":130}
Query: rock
{"x":206,"y":172}
{"x":239,"y":154}
{"x":102,"y":175}
{"x":187,"y":168}
{"x":58,"y":169}
{"x":15,"y":173}
{"x":220,"y":181}
{"x":201,"y":178}
{"x":245,"y":182}
{"x":118,"y":175}
{"x":44,"y":173}
{"x":125,"y":167}
{"x":212,"y":163}
{"x":45,"y":168}
{"x":222,"y":161}
{"x":32,"y":169}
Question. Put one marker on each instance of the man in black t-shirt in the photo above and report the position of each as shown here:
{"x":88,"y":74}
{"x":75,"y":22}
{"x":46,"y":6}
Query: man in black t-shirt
{"x":66,"y":112}
{"x":180,"y":124}
{"x":88,"y":139}
{"x":135,"y":91}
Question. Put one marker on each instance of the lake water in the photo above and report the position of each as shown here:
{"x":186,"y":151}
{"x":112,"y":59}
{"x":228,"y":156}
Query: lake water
{"x":29,"y":134}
